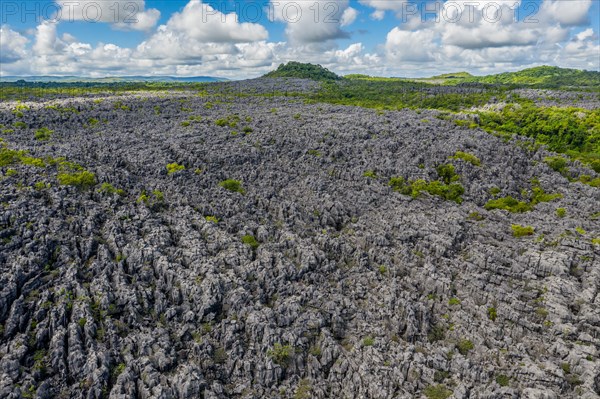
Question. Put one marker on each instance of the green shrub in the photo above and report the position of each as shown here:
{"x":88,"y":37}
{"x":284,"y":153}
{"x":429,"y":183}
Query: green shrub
{"x":20,"y":125}
{"x":596,"y":241}
{"x":465,"y":156}
{"x":281,"y":354}
{"x":212,"y":219}
{"x":247,"y":130}
{"x":109,"y":189}
{"x":11,"y":172}
{"x":561,"y":212}
{"x":174,"y":168}
{"x":580,"y":230}
{"x":370,"y":174}
{"x":37,"y":162}
{"x":368,"y":341}
{"x":539,"y":195}
{"x":464,"y":346}
{"x":557,"y":163}
{"x":437,"y":392}
{"x":508,"y":204}
{"x":250,"y":240}
{"x":522,"y":231}
{"x":43,"y":134}
{"x":436,"y":333}
{"x":502,"y":380}
{"x":451,"y":192}
{"x":492,"y":314}
{"x":221,"y":122}
{"x":81,"y":180}
{"x":446,"y":173}
{"x":314,"y":153}
{"x":233,"y":185}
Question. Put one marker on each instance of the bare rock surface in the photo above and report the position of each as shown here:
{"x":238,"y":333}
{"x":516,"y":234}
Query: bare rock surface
{"x":353,"y":291}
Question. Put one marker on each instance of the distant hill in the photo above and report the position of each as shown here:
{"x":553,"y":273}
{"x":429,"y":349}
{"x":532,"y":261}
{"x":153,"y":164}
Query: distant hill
{"x":455,"y":75}
{"x":546,"y":76}
{"x":299,"y":70}
{"x":117,"y":79}
{"x":543,"y":76}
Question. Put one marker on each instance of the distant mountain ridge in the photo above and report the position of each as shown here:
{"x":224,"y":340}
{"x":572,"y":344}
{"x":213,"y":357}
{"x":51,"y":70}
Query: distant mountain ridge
{"x":537,"y":76}
{"x":115,"y":79}
{"x":542,"y":76}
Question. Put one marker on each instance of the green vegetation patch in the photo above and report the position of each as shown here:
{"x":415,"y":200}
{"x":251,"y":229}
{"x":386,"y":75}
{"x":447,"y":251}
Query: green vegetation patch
{"x":465,"y":156}
{"x":449,"y":192}
{"x":522,"y":231}
{"x":82,"y":180}
{"x":251,"y":241}
{"x":233,"y":185}
{"x":464,"y":346}
{"x":174,"y":168}
{"x":300,"y":70}
{"x":437,"y":392}
{"x":281,"y":354}
{"x":43,"y":134}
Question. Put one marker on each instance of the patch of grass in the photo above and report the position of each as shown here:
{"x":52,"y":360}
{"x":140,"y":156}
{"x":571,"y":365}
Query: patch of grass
{"x":174,"y":168}
{"x":522,"y":231}
{"x":212,"y":219}
{"x":368,"y":341}
{"x":561,"y":212}
{"x":437,"y":392}
{"x":580,"y":230}
{"x":465,"y":156}
{"x":596,"y":241}
{"x":233,"y":185}
{"x":82,"y":180}
{"x":492,"y":313}
{"x":20,"y":125}
{"x":502,"y":380}
{"x":247,"y":130}
{"x":314,"y":153}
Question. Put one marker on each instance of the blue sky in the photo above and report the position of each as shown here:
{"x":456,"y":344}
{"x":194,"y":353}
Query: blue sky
{"x":240,"y":39}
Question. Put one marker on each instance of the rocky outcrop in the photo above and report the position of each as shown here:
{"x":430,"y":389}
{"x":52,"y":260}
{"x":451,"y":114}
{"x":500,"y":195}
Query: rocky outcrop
{"x":352,"y":291}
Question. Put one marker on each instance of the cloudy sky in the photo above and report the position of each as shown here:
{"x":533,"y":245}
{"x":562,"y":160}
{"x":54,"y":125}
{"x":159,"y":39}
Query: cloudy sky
{"x":246,"y":38}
